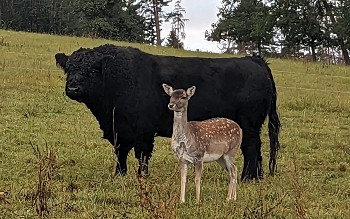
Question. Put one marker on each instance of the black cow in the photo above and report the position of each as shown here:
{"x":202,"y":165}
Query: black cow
{"x":122,"y":86}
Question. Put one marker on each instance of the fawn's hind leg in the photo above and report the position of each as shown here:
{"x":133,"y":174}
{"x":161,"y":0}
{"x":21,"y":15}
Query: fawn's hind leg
{"x":234,"y":189}
{"x":226,"y":162}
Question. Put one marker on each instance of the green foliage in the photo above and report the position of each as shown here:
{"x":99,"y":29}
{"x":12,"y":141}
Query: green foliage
{"x":178,"y":20}
{"x":333,"y":13}
{"x":111,"y":19}
{"x":313,"y":174}
{"x":174,"y":41}
{"x":177,"y":26}
{"x":153,"y":18}
{"x":249,"y":22}
{"x":27,"y":15}
{"x":341,"y":10}
{"x":292,"y":25}
{"x":300,"y":23}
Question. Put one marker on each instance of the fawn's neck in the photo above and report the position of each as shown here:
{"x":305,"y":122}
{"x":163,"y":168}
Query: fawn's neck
{"x":180,"y":126}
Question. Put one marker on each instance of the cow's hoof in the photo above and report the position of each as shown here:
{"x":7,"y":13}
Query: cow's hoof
{"x":120,"y":172}
{"x":249,"y":178}
{"x":142,"y":171}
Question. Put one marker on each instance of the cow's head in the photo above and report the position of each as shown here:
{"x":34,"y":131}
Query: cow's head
{"x":85,"y":70}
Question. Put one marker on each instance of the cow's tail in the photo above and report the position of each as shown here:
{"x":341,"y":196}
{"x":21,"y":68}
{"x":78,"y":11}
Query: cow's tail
{"x":274,"y":124}
{"x":274,"y":129}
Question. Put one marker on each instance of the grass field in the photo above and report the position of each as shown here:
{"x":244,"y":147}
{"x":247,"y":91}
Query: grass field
{"x":53,"y":159}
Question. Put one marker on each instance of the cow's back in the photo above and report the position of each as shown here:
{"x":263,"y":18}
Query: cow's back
{"x":226,"y":87}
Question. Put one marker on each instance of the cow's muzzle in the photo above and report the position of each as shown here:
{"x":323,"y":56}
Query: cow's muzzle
{"x":75,"y":93}
{"x":73,"y":89}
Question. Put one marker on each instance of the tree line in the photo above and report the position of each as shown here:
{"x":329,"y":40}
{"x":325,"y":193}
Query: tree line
{"x":128,"y":20}
{"x":275,"y":27}
{"x":284,"y":27}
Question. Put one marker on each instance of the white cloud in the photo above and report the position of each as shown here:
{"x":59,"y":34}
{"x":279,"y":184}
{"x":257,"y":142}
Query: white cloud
{"x":201,"y":15}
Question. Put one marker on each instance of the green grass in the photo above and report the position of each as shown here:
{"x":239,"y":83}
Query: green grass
{"x":313,"y":167}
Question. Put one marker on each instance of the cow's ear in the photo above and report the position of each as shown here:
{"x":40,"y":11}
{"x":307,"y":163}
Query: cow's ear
{"x":61,"y":60}
{"x":168,"y":89}
{"x":190,"y":91}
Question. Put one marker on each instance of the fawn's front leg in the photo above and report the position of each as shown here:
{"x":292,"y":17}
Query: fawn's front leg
{"x":183,"y":171}
{"x":198,"y":173}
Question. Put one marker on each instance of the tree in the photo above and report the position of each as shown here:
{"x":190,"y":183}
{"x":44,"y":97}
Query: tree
{"x":146,"y":12}
{"x":154,"y":16}
{"x":111,"y":19}
{"x":249,"y":22}
{"x":178,"y":20}
{"x":26,"y":15}
{"x":337,"y":14}
{"x":299,"y":22}
{"x":174,"y":41}
{"x":114,"y":19}
{"x":6,"y":7}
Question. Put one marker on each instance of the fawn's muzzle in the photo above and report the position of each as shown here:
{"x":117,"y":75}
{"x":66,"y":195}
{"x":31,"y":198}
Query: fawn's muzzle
{"x":171,"y":106}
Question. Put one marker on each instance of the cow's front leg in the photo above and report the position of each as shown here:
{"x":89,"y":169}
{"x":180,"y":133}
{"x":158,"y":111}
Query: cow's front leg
{"x":122,"y":154}
{"x":143,"y":165}
{"x":143,"y":153}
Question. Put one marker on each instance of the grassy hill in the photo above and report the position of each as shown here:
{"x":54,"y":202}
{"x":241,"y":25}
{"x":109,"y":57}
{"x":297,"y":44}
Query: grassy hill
{"x":52,"y":156}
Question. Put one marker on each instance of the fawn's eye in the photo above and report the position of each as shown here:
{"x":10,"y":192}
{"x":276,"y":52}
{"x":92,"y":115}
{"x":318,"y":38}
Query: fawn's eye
{"x":182,"y":98}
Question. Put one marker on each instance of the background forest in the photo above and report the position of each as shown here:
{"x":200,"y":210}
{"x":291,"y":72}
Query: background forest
{"x":319,"y":28}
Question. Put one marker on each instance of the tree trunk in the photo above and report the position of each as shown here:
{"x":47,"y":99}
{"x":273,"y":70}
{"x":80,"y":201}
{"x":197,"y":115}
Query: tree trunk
{"x":156,"y":20}
{"x":313,"y":53}
{"x":341,"y":40}
{"x":345,"y":53}
{"x":259,"y":47}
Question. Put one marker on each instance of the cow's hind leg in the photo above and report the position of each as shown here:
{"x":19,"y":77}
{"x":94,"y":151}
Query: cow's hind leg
{"x":251,"y":149}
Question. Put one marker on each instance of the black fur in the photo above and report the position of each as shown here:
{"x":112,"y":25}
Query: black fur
{"x":122,"y":87}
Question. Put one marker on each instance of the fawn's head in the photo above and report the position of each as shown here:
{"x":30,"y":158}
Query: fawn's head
{"x":179,"y":97}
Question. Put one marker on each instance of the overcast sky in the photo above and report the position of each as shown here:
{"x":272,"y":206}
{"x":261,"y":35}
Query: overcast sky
{"x":201,"y":14}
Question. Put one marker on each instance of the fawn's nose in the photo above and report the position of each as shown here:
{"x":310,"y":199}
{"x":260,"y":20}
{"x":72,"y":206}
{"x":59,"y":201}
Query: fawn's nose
{"x":171,"y":105}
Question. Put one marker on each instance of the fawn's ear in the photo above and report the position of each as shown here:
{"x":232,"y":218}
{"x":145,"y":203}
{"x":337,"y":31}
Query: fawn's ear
{"x":190,"y":91}
{"x":168,"y":89}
